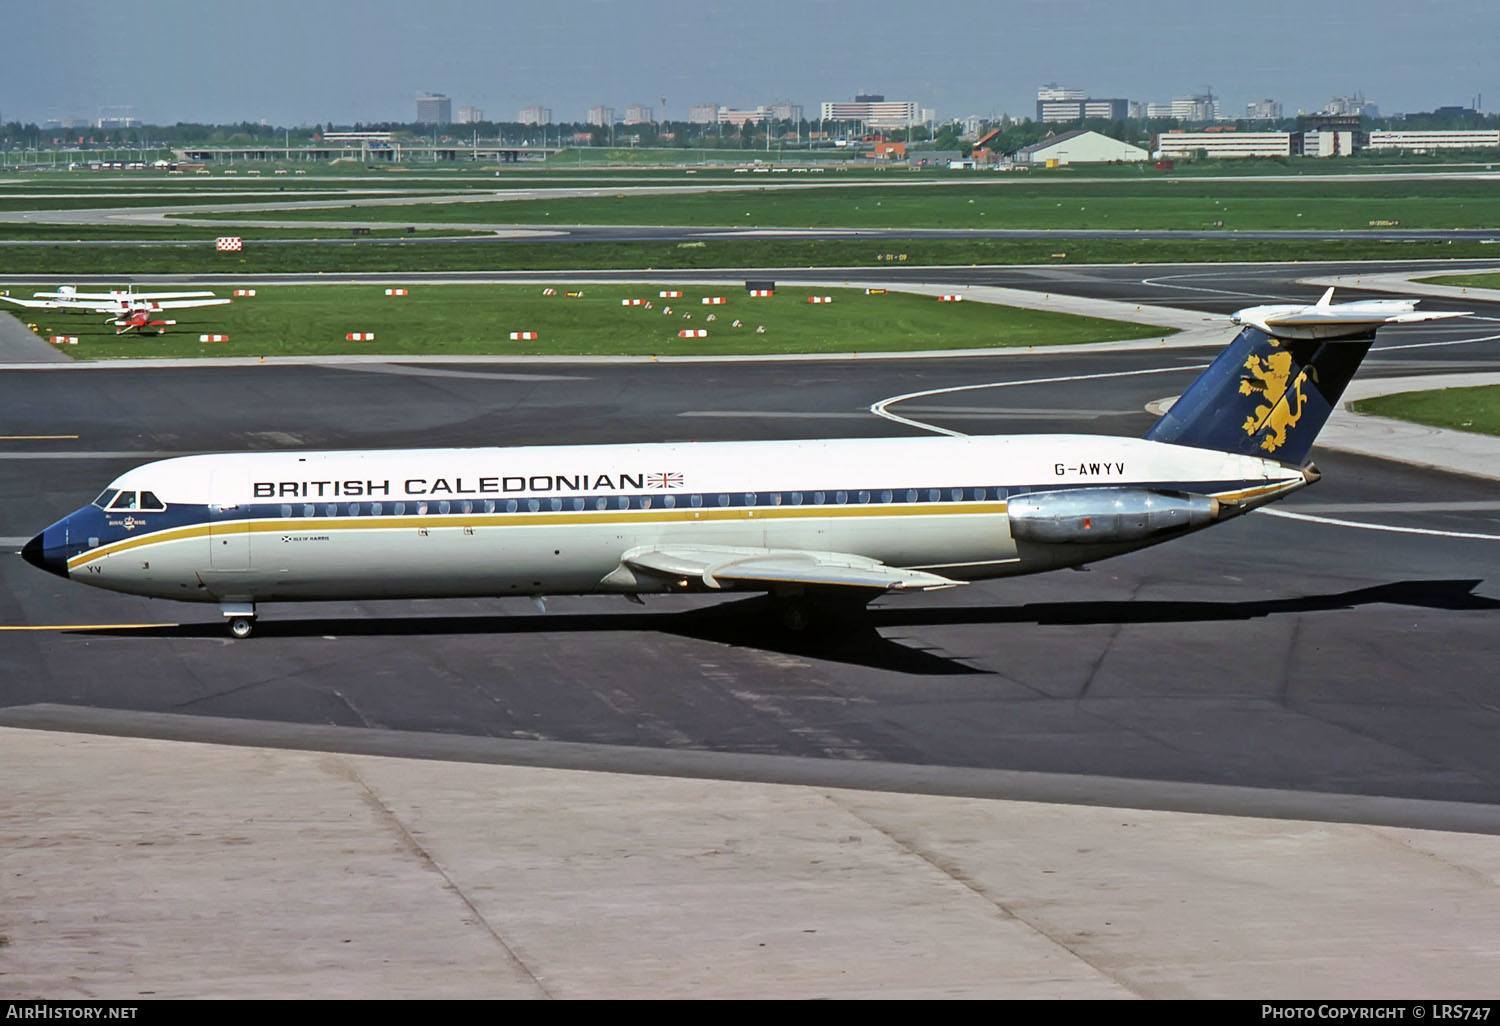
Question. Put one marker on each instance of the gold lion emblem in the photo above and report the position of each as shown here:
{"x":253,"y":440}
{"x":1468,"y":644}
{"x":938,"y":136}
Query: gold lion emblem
{"x":1284,"y":399}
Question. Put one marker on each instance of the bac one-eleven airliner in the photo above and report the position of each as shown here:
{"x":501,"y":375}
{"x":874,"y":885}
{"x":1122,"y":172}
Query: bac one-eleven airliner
{"x":814,"y":523}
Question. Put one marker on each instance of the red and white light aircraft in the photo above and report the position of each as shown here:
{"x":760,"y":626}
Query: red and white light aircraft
{"x":128,"y":310}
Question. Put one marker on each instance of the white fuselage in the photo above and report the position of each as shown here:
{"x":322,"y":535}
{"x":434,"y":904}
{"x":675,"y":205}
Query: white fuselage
{"x":543,"y":520}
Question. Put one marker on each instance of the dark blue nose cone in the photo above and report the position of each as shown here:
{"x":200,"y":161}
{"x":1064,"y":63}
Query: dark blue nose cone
{"x":54,"y":561}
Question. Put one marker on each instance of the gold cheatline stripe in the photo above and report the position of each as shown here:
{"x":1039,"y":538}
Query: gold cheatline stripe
{"x":1251,"y":493}
{"x":568,"y":517}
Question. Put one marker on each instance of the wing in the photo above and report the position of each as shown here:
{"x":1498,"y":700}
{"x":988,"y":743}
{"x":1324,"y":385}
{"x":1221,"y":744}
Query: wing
{"x":720,"y":568}
{"x":91,"y":306}
{"x":118,"y":296}
{"x":178,"y":304}
{"x":40,"y":304}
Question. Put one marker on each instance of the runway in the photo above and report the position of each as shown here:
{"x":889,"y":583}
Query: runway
{"x":1270,"y":667}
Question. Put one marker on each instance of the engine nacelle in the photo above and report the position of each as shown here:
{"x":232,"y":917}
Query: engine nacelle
{"x":1106,"y":515}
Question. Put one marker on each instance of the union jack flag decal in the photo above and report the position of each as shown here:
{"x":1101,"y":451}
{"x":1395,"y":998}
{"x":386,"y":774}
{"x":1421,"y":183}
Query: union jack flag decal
{"x":664,"y":480}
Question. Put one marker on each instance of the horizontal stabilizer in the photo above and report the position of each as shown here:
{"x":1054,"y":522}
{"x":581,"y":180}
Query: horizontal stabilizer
{"x":1328,"y":320}
{"x":716,"y":568}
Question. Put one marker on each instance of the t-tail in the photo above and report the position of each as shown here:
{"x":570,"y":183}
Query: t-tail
{"x":1272,"y":389}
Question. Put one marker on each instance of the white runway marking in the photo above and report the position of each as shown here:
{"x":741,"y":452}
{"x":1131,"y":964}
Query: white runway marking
{"x":776,"y":414}
{"x":960,"y":412}
{"x":881,"y":408}
{"x":1428,"y":345}
{"x":1481,"y":505}
{"x":1165,"y":282}
{"x":1378,"y":527}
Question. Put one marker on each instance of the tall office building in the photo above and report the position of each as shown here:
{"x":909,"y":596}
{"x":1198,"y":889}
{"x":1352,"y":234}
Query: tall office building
{"x":434,"y":109}
{"x":874,"y":113}
{"x":1199,"y":107}
{"x":601,"y":115}
{"x":784,"y":110}
{"x":1055,"y":103}
{"x":1263,"y":110}
{"x":639,"y":114}
{"x":534,"y":115}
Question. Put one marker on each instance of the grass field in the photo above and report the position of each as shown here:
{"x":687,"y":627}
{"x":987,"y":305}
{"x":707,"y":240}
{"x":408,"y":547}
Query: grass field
{"x":1467,"y":281}
{"x":1463,"y":409}
{"x":999,"y":202}
{"x":478,"y":319}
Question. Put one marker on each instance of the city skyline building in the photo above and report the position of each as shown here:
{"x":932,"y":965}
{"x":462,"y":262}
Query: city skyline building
{"x":875,"y":112}
{"x":434,"y":109}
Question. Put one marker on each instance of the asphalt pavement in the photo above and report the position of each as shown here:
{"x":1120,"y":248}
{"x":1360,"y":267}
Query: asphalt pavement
{"x":1256,"y":763}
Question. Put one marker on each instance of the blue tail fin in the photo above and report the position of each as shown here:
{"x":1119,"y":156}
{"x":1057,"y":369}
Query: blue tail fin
{"x":1264,"y":396}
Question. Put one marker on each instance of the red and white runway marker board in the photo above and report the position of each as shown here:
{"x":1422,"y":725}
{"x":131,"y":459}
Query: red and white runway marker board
{"x":63,"y":340}
{"x":664,"y":294}
{"x":395,"y":292}
{"x":950,"y":299}
{"x":229,"y":244}
{"x":632,"y":302}
{"x":522,"y":336}
{"x":549,"y":292}
{"x":244,"y":292}
{"x":693,"y":333}
{"x":713,"y":300}
{"x":213,"y":338}
{"x":820,"y":299}
{"x":760,"y":293}
{"x":360,"y":336}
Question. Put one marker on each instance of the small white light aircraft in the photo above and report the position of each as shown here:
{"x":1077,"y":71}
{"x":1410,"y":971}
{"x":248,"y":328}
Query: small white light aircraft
{"x":812,"y":522}
{"x":128,"y":310}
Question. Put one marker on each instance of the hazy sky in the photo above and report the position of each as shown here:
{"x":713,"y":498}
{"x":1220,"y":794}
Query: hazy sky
{"x":295,"y":62}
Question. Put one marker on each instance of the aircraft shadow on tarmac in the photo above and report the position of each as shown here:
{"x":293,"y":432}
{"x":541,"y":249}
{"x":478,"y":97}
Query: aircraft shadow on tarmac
{"x":855,"y":638}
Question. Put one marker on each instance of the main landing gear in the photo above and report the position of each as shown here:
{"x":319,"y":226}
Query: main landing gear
{"x":241,"y":617}
{"x":815,"y":612}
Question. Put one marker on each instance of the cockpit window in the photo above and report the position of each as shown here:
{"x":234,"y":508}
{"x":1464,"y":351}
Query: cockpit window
{"x":151,"y":503}
{"x":125,"y":500}
{"x":105,"y":498}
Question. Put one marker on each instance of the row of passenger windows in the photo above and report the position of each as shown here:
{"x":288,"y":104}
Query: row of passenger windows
{"x":641,"y":502}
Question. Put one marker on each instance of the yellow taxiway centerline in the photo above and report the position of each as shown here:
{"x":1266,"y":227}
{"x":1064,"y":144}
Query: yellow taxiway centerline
{"x":87,"y":626}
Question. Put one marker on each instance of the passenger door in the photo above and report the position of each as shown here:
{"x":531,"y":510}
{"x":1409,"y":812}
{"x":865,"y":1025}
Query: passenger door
{"x":229,"y":530}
